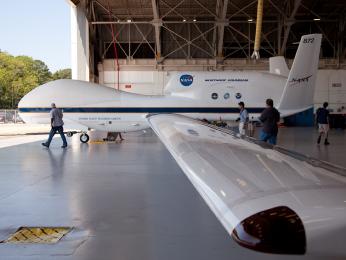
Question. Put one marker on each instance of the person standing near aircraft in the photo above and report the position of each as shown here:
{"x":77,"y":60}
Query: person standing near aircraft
{"x":244,"y":118}
{"x":270,"y":118}
{"x":57,"y":123}
{"x":322,"y":120}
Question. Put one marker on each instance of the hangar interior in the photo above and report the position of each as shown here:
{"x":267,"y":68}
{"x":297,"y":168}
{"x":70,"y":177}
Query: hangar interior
{"x":129,"y":199}
{"x":147,"y":40}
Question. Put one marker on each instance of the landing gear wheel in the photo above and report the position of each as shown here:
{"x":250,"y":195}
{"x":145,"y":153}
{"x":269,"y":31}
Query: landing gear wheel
{"x":69,"y":134}
{"x":84,"y":138}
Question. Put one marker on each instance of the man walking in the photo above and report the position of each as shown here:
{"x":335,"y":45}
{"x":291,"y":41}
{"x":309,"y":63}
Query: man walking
{"x":244,"y":118}
{"x":270,"y":118}
{"x":322,"y":120}
{"x":57,"y":125}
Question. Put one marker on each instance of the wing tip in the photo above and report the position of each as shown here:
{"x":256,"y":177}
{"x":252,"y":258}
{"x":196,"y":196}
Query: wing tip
{"x":277,"y":230}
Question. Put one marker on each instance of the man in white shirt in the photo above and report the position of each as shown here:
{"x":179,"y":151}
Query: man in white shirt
{"x":244,"y":118}
{"x":57,"y":123}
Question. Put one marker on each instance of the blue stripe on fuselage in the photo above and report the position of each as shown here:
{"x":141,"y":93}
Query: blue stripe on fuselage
{"x":222,"y":110}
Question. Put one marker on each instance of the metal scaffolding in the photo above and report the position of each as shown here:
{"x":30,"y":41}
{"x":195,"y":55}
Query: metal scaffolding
{"x":212,"y":29}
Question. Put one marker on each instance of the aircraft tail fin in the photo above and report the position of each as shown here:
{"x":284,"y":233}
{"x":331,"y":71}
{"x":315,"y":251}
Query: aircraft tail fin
{"x":277,"y":65}
{"x":299,"y":89}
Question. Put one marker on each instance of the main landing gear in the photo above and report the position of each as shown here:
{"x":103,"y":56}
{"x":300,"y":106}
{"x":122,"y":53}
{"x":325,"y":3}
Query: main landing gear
{"x":84,"y":138}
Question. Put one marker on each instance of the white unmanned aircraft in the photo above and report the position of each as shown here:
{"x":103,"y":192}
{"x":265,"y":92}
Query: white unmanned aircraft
{"x":202,"y":95}
{"x":267,"y":198}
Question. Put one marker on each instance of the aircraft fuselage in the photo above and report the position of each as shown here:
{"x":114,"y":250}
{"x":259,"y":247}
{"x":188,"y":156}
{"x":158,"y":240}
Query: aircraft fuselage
{"x":207,"y":95}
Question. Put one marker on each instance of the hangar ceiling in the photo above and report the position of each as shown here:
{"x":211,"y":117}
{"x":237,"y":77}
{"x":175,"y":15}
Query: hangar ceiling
{"x":216,"y":29}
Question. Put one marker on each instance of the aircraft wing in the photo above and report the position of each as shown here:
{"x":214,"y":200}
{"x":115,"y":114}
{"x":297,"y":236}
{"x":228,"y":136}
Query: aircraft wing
{"x":267,"y":198}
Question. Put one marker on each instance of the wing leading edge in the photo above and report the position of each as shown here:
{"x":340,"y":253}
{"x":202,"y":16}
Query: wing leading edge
{"x":266,"y":200}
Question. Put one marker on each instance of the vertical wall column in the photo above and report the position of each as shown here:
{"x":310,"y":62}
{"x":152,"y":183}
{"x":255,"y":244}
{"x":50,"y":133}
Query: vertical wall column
{"x":259,"y":18}
{"x":79,"y":44}
{"x":288,"y":24}
{"x":221,"y":27}
{"x":157,"y":22}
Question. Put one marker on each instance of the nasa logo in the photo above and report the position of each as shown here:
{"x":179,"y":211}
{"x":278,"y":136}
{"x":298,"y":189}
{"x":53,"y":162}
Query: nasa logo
{"x":186,"y":80}
{"x":238,"y":96}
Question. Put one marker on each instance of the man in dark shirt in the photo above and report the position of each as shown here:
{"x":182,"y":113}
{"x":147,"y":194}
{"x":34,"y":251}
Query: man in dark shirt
{"x":323,"y":122}
{"x":270,"y":118}
{"x":57,"y":126}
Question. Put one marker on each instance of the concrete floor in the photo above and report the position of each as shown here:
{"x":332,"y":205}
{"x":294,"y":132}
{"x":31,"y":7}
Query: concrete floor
{"x":303,"y":140}
{"x":126,"y":200}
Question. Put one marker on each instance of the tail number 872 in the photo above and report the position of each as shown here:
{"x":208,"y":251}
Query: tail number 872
{"x":309,"y":40}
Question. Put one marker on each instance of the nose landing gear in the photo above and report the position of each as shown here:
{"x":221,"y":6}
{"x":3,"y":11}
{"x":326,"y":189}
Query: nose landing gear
{"x":69,"y":134}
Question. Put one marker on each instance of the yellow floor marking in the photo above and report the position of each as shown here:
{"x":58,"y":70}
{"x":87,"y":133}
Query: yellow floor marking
{"x":41,"y":235}
{"x":97,"y":142}
{"x":102,"y":142}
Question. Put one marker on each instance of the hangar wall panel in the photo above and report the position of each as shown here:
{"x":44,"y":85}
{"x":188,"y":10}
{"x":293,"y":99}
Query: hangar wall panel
{"x":331,"y":87}
{"x":142,"y":82}
{"x":330,"y":84}
{"x":79,"y":44}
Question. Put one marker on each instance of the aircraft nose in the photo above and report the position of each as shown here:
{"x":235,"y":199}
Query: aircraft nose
{"x":23,"y":101}
{"x":35,"y":105}
{"x":40,"y":96}
{"x":28,"y":100}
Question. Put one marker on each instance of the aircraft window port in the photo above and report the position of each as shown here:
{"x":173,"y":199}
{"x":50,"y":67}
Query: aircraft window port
{"x":214,"y":96}
{"x":38,"y":235}
{"x":277,"y":230}
{"x":238,"y":95}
